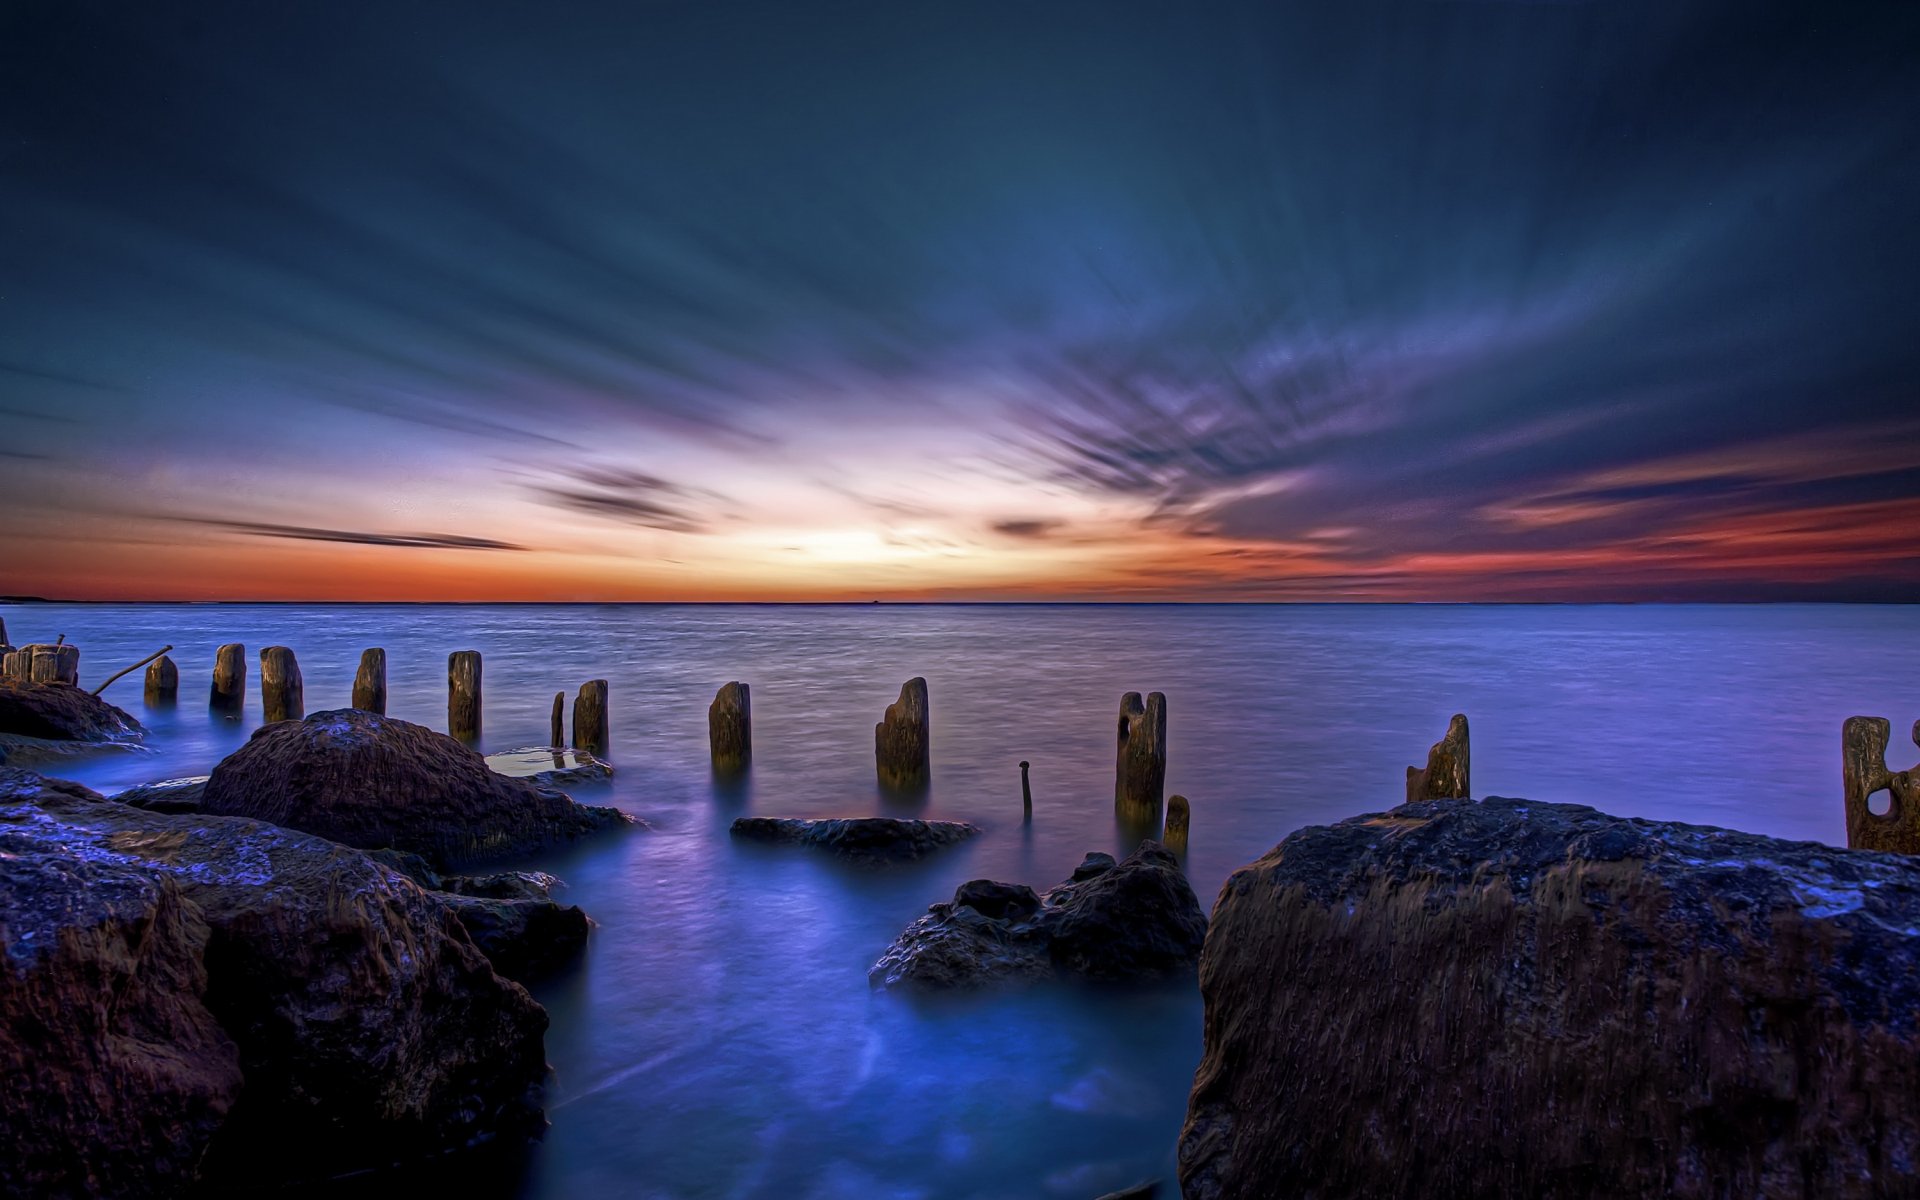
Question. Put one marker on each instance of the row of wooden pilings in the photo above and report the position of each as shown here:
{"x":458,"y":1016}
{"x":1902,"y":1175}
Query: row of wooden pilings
{"x":283,"y":692}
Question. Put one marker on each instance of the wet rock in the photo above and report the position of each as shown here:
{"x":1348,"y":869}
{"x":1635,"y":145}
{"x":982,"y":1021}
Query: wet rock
{"x":868,"y":838}
{"x":1095,"y":863}
{"x":902,"y":741}
{"x":166,"y":795}
{"x":524,"y":938}
{"x":1863,"y":756}
{"x":117,"y":1073}
{"x":501,"y":885}
{"x":370,"y":781}
{"x":1134,"y":920}
{"x":1445,"y":777}
{"x":59,"y":712}
{"x":551,"y":766}
{"x":285,"y":1006}
{"x":1459,"y":999}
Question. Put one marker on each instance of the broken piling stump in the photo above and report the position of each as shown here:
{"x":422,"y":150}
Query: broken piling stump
{"x":463,"y":695}
{"x":1026,"y":790}
{"x":1140,"y":758}
{"x":590,"y":717}
{"x":558,"y":725}
{"x":282,"y":694}
{"x":730,"y":728}
{"x":229,"y":693}
{"x":370,"y":682}
{"x":163,"y":682}
{"x":1179,"y":815}
{"x":1863,"y":758}
{"x":45,"y":662}
{"x":1445,"y":775}
{"x":901,"y":741}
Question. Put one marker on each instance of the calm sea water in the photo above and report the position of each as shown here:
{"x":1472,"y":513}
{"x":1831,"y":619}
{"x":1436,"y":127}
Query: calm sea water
{"x":720,"y":1039}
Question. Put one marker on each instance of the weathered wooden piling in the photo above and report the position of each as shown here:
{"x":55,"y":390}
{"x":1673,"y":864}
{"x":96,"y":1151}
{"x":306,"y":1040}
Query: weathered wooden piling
{"x":730,"y":728}
{"x":282,"y":694}
{"x":3,"y":633}
{"x":1445,"y":776}
{"x":229,"y":693}
{"x":1863,"y":759}
{"x":163,"y":682}
{"x":590,"y":717}
{"x":902,"y":741}
{"x":1140,"y":759}
{"x":1179,"y":815}
{"x":370,"y":682}
{"x":463,"y":695}
{"x":1026,"y":790}
{"x":45,"y":662}
{"x":559,"y":724}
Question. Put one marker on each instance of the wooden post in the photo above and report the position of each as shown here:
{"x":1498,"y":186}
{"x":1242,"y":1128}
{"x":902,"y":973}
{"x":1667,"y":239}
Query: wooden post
{"x":463,"y":695}
{"x":370,"y":682}
{"x":902,"y":742}
{"x":1140,"y":759}
{"x":559,"y":720}
{"x":1179,"y":815}
{"x":1863,"y":771}
{"x":1026,"y":790}
{"x":229,"y":694}
{"x":590,"y":717}
{"x":163,"y":682}
{"x":47,"y":662}
{"x":282,"y":695}
{"x":730,"y":728}
{"x":1445,"y":776}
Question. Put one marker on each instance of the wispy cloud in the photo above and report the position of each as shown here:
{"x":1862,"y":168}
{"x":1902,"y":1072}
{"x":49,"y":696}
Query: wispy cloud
{"x":303,"y":533}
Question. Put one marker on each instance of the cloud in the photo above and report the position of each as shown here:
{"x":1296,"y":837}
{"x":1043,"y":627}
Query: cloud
{"x":1029,"y":527}
{"x":630,"y":496}
{"x":302,"y":533}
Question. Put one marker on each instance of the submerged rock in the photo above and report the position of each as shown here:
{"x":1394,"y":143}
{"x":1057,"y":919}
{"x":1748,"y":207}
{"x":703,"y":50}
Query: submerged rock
{"x":551,"y":766}
{"x":866,"y":838}
{"x":181,"y":995}
{"x":50,"y":720}
{"x":1507,"y":998}
{"x":1137,"y":919}
{"x":371,"y":781}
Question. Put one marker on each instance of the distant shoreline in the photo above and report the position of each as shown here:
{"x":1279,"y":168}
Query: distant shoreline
{"x":32,"y":600}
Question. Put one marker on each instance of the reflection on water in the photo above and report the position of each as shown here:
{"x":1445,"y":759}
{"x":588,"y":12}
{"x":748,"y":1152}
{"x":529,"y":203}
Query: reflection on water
{"x":721,"y":1039}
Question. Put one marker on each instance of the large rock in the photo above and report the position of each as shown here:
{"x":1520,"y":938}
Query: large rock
{"x":371,"y":781}
{"x":524,"y":938}
{"x":863,"y":838}
{"x":60,"y":712}
{"x":1516,"y":999}
{"x":189,"y":993}
{"x":1138,"y":919}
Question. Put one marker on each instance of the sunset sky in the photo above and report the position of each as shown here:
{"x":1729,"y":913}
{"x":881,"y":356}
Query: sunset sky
{"x":1424,"y":301}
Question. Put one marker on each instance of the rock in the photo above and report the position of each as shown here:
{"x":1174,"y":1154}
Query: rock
{"x":551,"y":767}
{"x":1446,"y":776}
{"x":1863,"y":757}
{"x":1139,"y":1191}
{"x":501,"y":885}
{"x":1095,"y":863}
{"x":228,"y":996}
{"x":1135,"y":920}
{"x":370,"y":781}
{"x":118,"y":1074}
{"x":60,"y":712}
{"x":524,"y":938}
{"x":167,"y":795}
{"x":902,"y":741}
{"x":867,"y":838}
{"x":1459,"y":999}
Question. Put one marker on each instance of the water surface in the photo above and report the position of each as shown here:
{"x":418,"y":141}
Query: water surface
{"x":721,"y":1041}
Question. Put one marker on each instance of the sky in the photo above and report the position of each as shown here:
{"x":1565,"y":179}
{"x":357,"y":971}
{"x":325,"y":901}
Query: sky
{"x":1062,"y":300}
